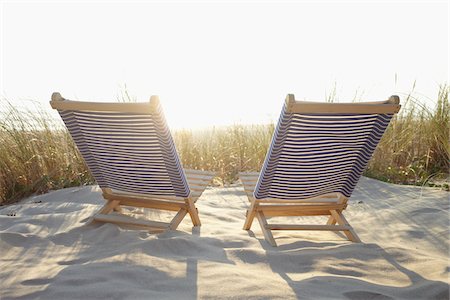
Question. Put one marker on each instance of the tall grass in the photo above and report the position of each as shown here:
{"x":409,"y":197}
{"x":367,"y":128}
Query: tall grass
{"x":37,"y":154}
{"x":226,"y":150}
{"x":415,"y":147}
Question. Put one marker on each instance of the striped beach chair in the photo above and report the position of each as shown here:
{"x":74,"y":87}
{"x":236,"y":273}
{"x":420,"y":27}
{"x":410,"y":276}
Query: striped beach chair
{"x":317,"y":155}
{"x":130,"y":152}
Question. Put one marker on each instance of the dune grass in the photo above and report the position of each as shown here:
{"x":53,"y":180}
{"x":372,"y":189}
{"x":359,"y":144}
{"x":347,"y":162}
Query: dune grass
{"x":226,"y":150}
{"x":38,"y":155}
{"x":415,"y":148}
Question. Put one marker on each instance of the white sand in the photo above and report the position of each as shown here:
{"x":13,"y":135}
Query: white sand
{"x":47,"y":251}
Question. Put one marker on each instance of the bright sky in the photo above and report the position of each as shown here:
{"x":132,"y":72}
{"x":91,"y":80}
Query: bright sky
{"x":216,"y":63}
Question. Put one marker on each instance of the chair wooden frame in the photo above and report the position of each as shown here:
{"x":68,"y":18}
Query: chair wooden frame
{"x":197,"y":180}
{"x":331,"y":205}
{"x":111,"y":211}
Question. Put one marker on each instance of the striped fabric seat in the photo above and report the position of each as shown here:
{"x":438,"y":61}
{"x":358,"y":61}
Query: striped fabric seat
{"x":315,"y":154}
{"x":130,"y":152}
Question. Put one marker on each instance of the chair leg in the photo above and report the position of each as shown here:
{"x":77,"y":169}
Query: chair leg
{"x":177,"y":219}
{"x":108,"y":207}
{"x":267,"y":232}
{"x":341,"y":220}
{"x":331,"y":221}
{"x":251,"y":213}
{"x":193,"y":212}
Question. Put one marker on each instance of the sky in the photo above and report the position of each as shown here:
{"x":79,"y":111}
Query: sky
{"x":217,"y":62}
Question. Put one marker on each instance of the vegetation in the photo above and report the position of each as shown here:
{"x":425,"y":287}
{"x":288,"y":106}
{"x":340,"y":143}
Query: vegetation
{"x":415,"y":148}
{"x":226,"y":150}
{"x":38,"y":155}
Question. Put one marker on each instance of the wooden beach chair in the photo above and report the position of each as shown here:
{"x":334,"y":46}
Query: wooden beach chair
{"x":318,"y":153}
{"x":130,"y":152}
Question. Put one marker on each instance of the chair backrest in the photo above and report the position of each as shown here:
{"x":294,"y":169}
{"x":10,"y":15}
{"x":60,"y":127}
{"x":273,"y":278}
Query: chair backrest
{"x":320,"y":148}
{"x":127,"y":146}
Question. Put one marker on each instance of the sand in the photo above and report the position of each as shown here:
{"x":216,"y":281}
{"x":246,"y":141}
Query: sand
{"x":48,"y":252}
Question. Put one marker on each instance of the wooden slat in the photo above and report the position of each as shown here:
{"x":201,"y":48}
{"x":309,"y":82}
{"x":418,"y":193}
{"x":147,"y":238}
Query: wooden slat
{"x":198,"y":181}
{"x":201,"y":182}
{"x":146,"y":202}
{"x":308,"y":200}
{"x":340,"y":108}
{"x":375,"y":107}
{"x":305,"y":201}
{"x":129,"y":107}
{"x":126,"y":220}
{"x":307,"y":227}
{"x":145,"y":197}
{"x":296,"y":213}
{"x":154,"y":205}
{"x":329,"y":198}
{"x":305,"y":207}
{"x":199,"y":188}
{"x":199,"y":172}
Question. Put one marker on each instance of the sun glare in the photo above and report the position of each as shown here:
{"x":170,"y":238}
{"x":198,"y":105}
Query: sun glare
{"x":217,"y":63}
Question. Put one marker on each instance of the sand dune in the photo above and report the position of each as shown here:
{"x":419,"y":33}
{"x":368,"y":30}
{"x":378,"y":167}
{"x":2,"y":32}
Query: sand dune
{"x":48,"y":252}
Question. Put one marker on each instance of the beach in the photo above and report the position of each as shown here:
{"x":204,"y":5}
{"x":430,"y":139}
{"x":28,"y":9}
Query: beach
{"x":48,"y":251}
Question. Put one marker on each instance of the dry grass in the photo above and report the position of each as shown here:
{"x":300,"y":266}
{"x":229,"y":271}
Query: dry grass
{"x":415,"y":148}
{"x":226,"y":150}
{"x":37,"y":154}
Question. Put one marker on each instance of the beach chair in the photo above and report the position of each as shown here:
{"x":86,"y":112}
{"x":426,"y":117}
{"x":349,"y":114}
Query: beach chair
{"x":130,"y":152}
{"x":318,"y":153}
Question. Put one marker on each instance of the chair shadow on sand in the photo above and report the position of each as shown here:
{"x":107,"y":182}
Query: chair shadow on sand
{"x":350,"y":261}
{"x":168,"y":251}
{"x":343,"y":258}
{"x":127,"y":263}
{"x":392,"y":195}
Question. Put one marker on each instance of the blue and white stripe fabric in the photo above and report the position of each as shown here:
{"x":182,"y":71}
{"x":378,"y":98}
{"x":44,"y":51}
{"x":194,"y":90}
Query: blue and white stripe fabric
{"x":128,"y":152}
{"x":316,"y":154}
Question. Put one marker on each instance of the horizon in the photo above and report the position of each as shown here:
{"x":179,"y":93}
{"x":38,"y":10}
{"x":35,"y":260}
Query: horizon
{"x":218,"y":64}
